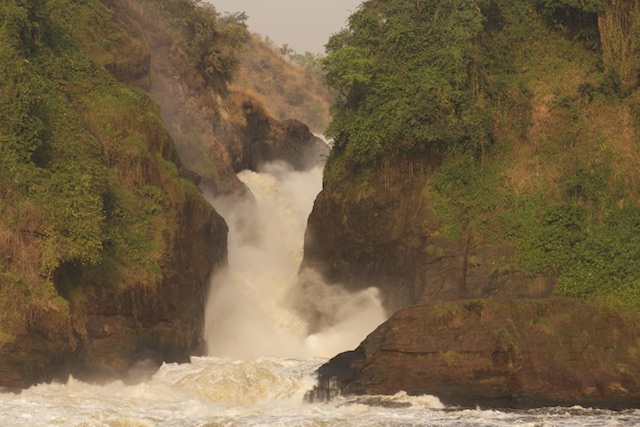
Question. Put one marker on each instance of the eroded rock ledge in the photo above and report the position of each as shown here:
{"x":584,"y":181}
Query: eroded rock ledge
{"x":508,"y":354}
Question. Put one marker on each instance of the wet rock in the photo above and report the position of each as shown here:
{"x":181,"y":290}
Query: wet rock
{"x":335,"y":375}
{"x":266,"y":139}
{"x":509,"y":354}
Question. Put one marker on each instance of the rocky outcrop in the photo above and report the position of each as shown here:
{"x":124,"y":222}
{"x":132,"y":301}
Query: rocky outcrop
{"x":128,"y":333}
{"x":100,"y":328}
{"x":509,"y":354}
{"x":194,"y":114}
{"x":384,"y":232}
{"x":266,"y":140}
{"x":115,"y":317}
{"x":218,"y":136}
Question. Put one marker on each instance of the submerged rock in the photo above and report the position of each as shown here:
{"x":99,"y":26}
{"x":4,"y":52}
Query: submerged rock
{"x":508,"y":354}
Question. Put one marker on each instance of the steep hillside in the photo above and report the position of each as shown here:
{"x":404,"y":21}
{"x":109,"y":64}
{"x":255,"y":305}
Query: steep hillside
{"x":111,"y":113}
{"x":500,"y":161}
{"x":106,"y":248}
{"x":218,"y":130}
{"x":502,"y":155}
{"x":291,"y":86}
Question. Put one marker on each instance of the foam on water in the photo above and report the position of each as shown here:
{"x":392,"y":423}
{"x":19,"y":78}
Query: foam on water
{"x":258,"y":392}
{"x":248,"y":318}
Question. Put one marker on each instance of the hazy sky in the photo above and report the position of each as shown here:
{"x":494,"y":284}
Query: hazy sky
{"x":305,"y":25}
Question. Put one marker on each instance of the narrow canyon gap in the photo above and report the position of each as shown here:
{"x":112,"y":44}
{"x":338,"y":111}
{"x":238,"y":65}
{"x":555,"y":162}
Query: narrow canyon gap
{"x":251,"y":312}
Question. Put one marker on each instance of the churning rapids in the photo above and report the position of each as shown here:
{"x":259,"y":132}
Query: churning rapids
{"x":262,"y":355}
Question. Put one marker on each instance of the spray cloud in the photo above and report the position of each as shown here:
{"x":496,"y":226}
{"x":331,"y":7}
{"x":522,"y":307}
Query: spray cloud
{"x":250,"y":312}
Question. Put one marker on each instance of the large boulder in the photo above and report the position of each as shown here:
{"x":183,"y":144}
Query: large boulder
{"x":508,"y":354}
{"x":265,"y":139}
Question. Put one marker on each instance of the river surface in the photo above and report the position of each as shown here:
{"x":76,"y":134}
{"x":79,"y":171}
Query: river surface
{"x":258,"y":392}
{"x":262,"y":353}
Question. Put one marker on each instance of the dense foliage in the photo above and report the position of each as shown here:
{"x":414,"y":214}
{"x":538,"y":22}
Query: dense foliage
{"x":212,"y":43}
{"x":408,"y":76}
{"x":526,"y":110}
{"x":88,"y":174}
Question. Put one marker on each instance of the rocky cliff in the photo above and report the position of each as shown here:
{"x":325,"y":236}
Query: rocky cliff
{"x":513,"y":354}
{"x":386,"y":233}
{"x":217,"y":131}
{"x":484,"y":169}
{"x":106,"y":261}
{"x":107,"y":125}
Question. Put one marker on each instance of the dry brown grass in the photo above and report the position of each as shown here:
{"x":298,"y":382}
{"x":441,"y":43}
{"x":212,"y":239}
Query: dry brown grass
{"x":21,"y":280}
{"x":529,"y":171}
{"x":243,"y":99}
{"x":613,"y":127}
{"x":21,"y":245}
{"x":289,"y":91}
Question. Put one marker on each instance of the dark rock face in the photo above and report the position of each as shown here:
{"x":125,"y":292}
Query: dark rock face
{"x":385,"y":233}
{"x":114,"y":332}
{"x":266,"y":140}
{"x":125,"y":331}
{"x":152,"y":326}
{"x":511,"y":354}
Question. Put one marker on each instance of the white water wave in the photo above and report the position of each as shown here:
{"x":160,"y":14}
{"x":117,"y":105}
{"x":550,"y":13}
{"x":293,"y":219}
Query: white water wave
{"x":249,"y":318}
{"x":259,"y":392}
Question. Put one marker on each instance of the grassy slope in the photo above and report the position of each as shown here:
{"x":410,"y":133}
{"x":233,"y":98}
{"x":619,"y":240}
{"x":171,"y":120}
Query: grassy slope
{"x":565,"y":167}
{"x":288,"y":90}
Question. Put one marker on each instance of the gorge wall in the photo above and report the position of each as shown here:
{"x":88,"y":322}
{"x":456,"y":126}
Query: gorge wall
{"x":386,"y":233}
{"x":107,"y":127}
{"x":480,"y":174}
{"x":106,"y":260}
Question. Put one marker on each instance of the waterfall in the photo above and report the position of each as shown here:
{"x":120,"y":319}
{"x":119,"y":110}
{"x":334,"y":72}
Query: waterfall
{"x":250,"y":313}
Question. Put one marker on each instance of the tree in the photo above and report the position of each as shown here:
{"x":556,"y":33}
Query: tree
{"x":235,"y":18}
{"x":406,"y":74}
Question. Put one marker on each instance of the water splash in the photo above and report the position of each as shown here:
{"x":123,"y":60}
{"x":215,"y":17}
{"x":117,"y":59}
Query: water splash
{"x":263,"y":392}
{"x":250,"y":312}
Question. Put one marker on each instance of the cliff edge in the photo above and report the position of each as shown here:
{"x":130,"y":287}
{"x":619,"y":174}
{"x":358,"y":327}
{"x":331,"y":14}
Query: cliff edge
{"x":492,"y":173}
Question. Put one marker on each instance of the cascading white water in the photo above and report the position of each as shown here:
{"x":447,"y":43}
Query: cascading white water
{"x":249,"y":313}
{"x":249,"y":316}
{"x":213,"y":392}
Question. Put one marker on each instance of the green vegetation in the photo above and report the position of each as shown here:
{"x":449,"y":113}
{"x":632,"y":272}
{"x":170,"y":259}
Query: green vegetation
{"x":407,"y":78}
{"x":528,"y":113}
{"x":90,"y":188}
{"x":212,"y":43}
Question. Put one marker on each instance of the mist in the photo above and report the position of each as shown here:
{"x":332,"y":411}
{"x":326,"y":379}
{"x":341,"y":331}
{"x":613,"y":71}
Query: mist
{"x":259,"y":306}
